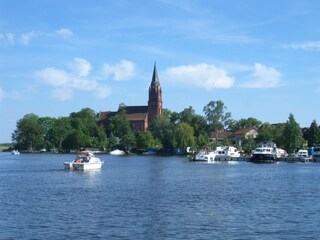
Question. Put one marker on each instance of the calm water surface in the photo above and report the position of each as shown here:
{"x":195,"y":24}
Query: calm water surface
{"x":141,"y":197}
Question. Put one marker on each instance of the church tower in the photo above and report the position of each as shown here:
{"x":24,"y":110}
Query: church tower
{"x":155,"y":97}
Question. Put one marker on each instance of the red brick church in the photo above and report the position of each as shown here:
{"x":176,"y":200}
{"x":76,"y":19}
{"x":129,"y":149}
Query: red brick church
{"x":140,"y":117}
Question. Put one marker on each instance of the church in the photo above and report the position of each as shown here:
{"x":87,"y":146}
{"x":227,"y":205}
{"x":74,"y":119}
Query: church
{"x":140,"y":117}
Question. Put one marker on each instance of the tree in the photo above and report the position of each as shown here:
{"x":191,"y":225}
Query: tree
{"x":244,"y":123}
{"x":46,"y":123}
{"x":60,"y":130}
{"x":216,"y":116}
{"x":146,"y":140}
{"x":248,"y":144}
{"x":162,"y":129}
{"x":313,"y":134}
{"x":265,"y":133}
{"x":119,"y":127}
{"x":293,"y":135}
{"x":29,"y":133}
{"x":184,"y":136}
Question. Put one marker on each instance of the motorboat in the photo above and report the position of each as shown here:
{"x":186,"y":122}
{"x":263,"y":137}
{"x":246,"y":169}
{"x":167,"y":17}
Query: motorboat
{"x":265,"y":153}
{"x":205,"y":155}
{"x":84,"y":161}
{"x":227,"y":151}
{"x":15,"y":152}
{"x":117,"y":152}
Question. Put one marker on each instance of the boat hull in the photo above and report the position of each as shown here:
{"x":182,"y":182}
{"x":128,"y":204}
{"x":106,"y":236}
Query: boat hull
{"x":263,"y":158}
{"x":87,"y":166}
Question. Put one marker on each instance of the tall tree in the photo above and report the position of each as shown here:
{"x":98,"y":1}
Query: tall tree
{"x":293,"y":135}
{"x":146,"y":140}
{"x":216,"y":116}
{"x":162,"y":129}
{"x":119,"y":127}
{"x":313,"y":134}
{"x":245,"y":123}
{"x":184,"y":136}
{"x":29,"y":133}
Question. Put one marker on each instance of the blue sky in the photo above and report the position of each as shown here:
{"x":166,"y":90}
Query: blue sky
{"x":261,"y":58}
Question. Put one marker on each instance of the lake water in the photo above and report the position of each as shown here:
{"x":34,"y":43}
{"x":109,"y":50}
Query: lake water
{"x":143,"y":197}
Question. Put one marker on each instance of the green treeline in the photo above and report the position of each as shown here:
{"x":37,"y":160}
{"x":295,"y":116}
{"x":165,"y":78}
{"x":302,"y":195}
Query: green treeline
{"x":173,"y":130}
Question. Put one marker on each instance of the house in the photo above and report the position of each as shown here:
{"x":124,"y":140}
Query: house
{"x":236,"y":137}
{"x":244,"y":133}
{"x":219,"y":136}
{"x":140,"y":117}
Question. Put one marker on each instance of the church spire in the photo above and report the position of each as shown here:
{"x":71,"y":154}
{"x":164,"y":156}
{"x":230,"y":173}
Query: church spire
{"x":155,"y":97}
{"x":155,"y":78}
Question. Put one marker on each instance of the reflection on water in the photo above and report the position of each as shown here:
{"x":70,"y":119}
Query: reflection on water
{"x":147,"y":197}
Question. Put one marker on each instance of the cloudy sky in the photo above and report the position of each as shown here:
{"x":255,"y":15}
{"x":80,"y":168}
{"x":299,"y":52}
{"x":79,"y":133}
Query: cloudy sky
{"x":261,"y":58}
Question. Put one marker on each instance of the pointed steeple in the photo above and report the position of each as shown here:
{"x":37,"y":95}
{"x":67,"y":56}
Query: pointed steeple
{"x":155,"y":97}
{"x":155,"y":78}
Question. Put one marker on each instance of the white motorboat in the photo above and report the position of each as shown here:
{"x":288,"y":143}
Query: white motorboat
{"x":265,"y":153}
{"x":117,"y":152}
{"x":205,"y":155}
{"x":84,"y":161}
{"x":227,"y":151}
{"x":15,"y":152}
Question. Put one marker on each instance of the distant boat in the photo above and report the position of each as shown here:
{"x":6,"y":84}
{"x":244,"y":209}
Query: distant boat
{"x":15,"y":152}
{"x":117,"y":152}
{"x":265,"y":153}
{"x":84,"y":161}
{"x":150,"y":151}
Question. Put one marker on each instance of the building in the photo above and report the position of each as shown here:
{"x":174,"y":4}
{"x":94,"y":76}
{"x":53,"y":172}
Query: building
{"x":140,"y":117}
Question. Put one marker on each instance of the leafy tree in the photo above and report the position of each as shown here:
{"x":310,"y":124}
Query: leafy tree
{"x":265,"y":133}
{"x":244,"y":123}
{"x":293,"y":135}
{"x":47,"y":124}
{"x":162,"y":129}
{"x":74,"y":140}
{"x":277,"y":133}
{"x":216,"y":116}
{"x":187,"y":115}
{"x":146,"y":140}
{"x":184,"y":136}
{"x":29,"y":133}
{"x":60,"y":130}
{"x":119,"y":127}
{"x":248,"y":144}
{"x":313,"y":134}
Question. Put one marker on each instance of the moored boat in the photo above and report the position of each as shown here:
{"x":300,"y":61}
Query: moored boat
{"x":205,"y":155}
{"x":84,"y":161}
{"x":265,"y":153}
{"x":15,"y":152}
{"x":117,"y":152}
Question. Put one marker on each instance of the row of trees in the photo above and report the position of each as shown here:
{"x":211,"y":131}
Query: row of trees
{"x":173,"y":130}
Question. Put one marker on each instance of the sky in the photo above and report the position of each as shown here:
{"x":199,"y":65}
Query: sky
{"x":260,"y":58}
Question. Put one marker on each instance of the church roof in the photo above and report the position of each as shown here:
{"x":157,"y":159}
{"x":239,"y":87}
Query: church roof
{"x":133,"y":113}
{"x":136,"y":109}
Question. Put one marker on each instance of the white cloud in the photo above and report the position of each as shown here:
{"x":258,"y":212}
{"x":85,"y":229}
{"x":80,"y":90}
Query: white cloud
{"x":120,"y":71}
{"x":64,"y":32}
{"x":7,"y":38}
{"x":311,"y":46}
{"x":263,"y":77}
{"x":80,"y":67}
{"x":201,"y":76}
{"x":77,"y":78}
{"x":26,"y":37}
